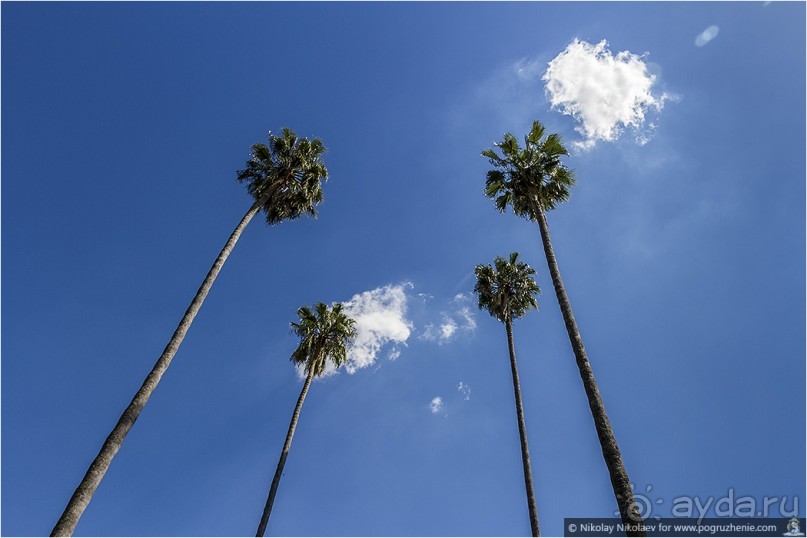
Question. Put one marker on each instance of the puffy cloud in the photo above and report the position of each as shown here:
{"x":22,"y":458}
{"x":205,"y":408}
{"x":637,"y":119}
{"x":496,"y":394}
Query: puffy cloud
{"x":603,"y":92}
{"x":436,"y":405}
{"x":380,"y":316}
{"x":465,"y":390}
{"x":707,"y":35}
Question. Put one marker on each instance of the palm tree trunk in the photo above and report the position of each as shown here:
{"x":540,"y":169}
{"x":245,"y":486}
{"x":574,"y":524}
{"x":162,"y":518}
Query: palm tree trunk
{"x":610,"y":451}
{"x":267,"y":510}
{"x":522,"y":432}
{"x":85,"y":490}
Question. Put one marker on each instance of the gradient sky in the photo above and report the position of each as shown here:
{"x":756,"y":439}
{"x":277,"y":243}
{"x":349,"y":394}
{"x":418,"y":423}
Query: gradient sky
{"x":682,"y":248}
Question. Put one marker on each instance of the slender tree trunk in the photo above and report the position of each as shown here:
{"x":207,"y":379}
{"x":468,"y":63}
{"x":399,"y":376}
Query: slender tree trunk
{"x":267,"y":510}
{"x":522,"y":432}
{"x":85,"y":490}
{"x":610,"y":451}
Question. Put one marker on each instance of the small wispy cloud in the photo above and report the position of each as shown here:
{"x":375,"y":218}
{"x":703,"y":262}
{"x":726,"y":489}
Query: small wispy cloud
{"x":465,"y":390}
{"x":707,"y":35}
{"x":461,"y":319}
{"x":464,"y":312}
{"x":468,"y":318}
{"x":394,"y":353}
{"x":448,"y":329}
{"x":441,"y":333}
{"x":436,"y":405}
{"x":604,"y":92}
{"x":528,"y":68}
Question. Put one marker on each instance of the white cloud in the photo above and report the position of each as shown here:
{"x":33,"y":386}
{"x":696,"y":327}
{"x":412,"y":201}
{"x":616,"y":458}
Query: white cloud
{"x":465,"y":390}
{"x":603,"y":92}
{"x":436,"y":405}
{"x":707,"y":35}
{"x":380,"y":316}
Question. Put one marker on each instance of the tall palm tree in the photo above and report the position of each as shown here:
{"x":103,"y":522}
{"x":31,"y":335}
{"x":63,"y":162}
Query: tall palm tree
{"x":285,"y":181}
{"x":533,"y":181}
{"x":507,"y":290}
{"x":324,"y":335}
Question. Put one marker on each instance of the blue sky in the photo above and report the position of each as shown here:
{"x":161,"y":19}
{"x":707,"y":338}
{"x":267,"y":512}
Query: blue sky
{"x":682,"y":248}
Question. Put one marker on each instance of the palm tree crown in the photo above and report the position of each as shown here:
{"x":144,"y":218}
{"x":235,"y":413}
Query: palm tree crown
{"x":290,"y":171}
{"x":324,"y":334}
{"x":528,"y":179}
{"x":506,"y":289}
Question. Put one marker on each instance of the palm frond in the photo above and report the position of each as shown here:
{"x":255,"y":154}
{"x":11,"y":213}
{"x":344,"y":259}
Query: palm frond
{"x":291,"y":170}
{"x":324,"y":335}
{"x":535,"y":133}
{"x":506,"y":289}
{"x":528,"y":179}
